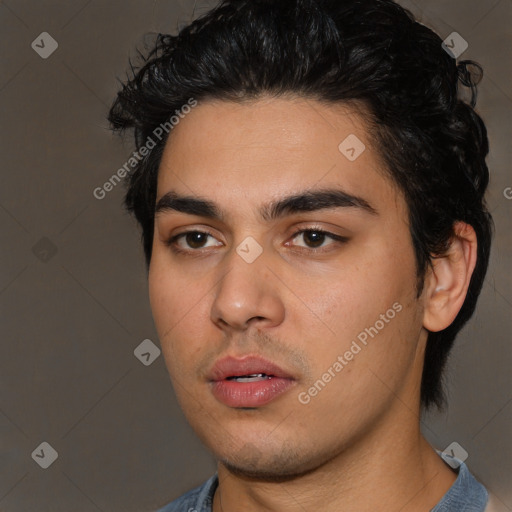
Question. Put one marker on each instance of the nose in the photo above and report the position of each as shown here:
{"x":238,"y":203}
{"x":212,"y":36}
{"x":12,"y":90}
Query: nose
{"x":247,"y":295}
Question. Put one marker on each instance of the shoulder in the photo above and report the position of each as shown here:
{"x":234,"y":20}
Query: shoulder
{"x":466,"y":494}
{"x":199,"y":499}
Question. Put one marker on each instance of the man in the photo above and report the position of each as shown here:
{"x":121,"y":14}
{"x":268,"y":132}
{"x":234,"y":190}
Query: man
{"x":310,"y":189}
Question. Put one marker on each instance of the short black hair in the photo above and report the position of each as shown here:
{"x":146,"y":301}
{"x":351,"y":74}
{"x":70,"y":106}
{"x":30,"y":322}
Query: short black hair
{"x":373,"y":53}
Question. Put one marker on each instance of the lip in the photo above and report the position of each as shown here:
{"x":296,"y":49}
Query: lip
{"x":248,"y":394}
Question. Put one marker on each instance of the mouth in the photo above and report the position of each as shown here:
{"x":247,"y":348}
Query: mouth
{"x":248,"y":382}
{"x":255,"y":377}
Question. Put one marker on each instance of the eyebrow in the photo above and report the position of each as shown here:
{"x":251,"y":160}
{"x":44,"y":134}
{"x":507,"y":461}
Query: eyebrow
{"x":308,"y":201}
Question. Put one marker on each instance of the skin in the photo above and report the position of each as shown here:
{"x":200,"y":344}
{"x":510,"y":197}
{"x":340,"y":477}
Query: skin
{"x":358,"y":441}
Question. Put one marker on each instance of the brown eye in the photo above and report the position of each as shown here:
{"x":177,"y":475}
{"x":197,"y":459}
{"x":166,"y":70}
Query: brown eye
{"x":196,"y":239}
{"x":193,"y":241}
{"x":314,"y":238}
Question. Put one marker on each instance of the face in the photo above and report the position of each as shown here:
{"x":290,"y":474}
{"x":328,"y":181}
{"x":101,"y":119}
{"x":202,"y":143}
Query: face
{"x":283,"y":283}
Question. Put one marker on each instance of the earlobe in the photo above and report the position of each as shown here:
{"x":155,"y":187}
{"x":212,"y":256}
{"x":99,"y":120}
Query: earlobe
{"x":447,"y":283}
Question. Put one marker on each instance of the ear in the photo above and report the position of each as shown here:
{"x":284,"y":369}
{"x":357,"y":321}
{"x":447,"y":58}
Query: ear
{"x":446,"y":285}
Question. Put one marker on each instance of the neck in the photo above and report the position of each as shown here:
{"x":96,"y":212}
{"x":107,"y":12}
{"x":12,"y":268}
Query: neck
{"x":391,"y":468}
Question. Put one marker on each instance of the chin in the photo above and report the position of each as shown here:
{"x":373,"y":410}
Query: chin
{"x":263,"y":473}
{"x":251,"y":464}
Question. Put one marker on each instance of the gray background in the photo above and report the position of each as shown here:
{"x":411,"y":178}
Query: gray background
{"x":73,"y":297}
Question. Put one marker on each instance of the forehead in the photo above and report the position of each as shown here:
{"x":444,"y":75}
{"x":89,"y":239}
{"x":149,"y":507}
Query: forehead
{"x":266,"y":148}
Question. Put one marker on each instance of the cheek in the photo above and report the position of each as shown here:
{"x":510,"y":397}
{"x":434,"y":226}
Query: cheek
{"x":179,"y":309}
{"x":357,"y":293}
{"x":369,"y":297}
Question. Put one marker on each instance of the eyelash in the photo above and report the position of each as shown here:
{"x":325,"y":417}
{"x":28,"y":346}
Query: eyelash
{"x":171,"y":242}
{"x":318,"y":230}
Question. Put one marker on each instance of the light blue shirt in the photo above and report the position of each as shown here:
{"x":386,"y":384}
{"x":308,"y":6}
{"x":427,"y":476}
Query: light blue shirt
{"x":465,"y":495}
